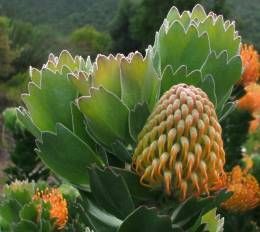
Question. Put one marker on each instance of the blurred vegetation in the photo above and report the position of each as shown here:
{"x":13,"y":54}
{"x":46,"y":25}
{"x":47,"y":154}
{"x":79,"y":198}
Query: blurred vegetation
{"x":25,"y":164}
{"x":136,"y":21}
{"x":62,"y":15}
{"x":87,"y":41}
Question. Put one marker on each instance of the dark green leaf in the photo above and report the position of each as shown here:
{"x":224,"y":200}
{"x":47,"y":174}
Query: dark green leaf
{"x":50,"y":103}
{"x":225,"y":73}
{"x":97,"y":219}
{"x":145,"y":220}
{"x":176,"y":47}
{"x":9,"y":211}
{"x":25,"y":226}
{"x":169,"y":78}
{"x":111,"y":192}
{"x":29,"y":212}
{"x":140,"y":82}
{"x":137,"y":119}
{"x":67,"y":155}
{"x":138,"y":192}
{"x":107,"y":116}
{"x":120,"y":151}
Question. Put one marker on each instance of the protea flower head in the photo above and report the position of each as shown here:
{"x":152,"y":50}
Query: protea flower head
{"x":181,"y":146}
{"x":246,"y":191}
{"x":251,"y":64}
{"x":58,"y":210}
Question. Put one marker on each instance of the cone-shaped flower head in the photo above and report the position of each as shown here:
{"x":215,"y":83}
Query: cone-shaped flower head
{"x":58,"y":210}
{"x":246,"y":191}
{"x":251,"y":64}
{"x":180,"y":146}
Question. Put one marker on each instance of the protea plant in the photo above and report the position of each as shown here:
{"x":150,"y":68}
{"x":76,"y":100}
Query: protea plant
{"x":139,"y":136}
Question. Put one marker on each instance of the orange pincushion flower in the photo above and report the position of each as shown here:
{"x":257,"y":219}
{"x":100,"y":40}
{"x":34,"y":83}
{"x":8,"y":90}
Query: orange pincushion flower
{"x":246,"y":191}
{"x":251,"y":64}
{"x":251,"y":100}
{"x":59,"y":209}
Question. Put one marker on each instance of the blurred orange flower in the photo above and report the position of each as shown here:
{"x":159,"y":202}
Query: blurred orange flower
{"x":251,"y":100}
{"x":246,"y":191}
{"x":251,"y":64}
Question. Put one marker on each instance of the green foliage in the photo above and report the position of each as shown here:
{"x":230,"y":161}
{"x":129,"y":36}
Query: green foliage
{"x":234,"y":135}
{"x":89,"y":41}
{"x":134,"y":24}
{"x":218,"y":58}
{"x":252,"y":147}
{"x":63,"y":15}
{"x":25,"y":163}
{"x":252,"y":143}
{"x":6,"y":54}
{"x":247,"y":14}
{"x":20,"y":212}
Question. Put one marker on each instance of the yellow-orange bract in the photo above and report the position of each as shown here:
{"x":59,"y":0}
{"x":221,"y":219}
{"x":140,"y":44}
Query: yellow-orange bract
{"x":180,"y":146}
{"x":251,"y":64}
{"x":251,"y":100}
{"x":59,"y":209}
{"x":246,"y":191}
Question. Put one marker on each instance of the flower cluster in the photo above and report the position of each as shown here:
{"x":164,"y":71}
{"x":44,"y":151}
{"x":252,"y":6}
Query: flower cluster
{"x":58,"y":210}
{"x":246,"y":191}
{"x":251,"y":64}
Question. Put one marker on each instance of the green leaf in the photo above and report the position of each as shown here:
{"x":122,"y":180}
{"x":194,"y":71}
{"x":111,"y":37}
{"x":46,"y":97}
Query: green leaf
{"x":213,"y":221}
{"x":220,"y":38}
{"x":35,"y":75}
{"x":173,"y":15}
{"x":137,"y":119}
{"x":107,"y":116}
{"x":79,"y":126}
{"x":107,"y":73}
{"x":208,"y":86}
{"x":45,"y":225}
{"x":140,"y":82}
{"x":50,"y":103}
{"x":198,"y":13}
{"x":26,"y":120}
{"x":138,"y":192}
{"x":81,"y":81}
{"x":145,"y":220}
{"x":65,"y":59}
{"x":21,"y":195}
{"x":169,"y":78}
{"x":189,"y":210}
{"x":225,"y":73}
{"x":25,"y":226}
{"x":111,"y":192}
{"x":178,"y":47}
{"x":9,"y":212}
{"x":67,"y":155}
{"x":97,"y":219}
{"x":29,"y":212}
{"x":121,"y":152}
